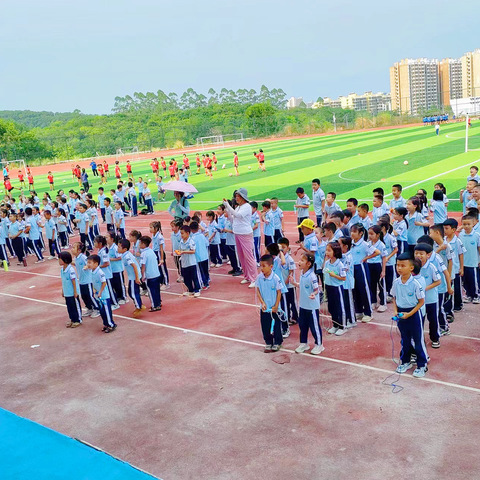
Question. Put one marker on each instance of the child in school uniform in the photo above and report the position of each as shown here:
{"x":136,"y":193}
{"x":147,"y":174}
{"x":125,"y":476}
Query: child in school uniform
{"x":376,"y":266}
{"x":267,"y":218}
{"x":4,"y":235}
{"x":400,"y":229}
{"x":100,"y":244}
{"x":175,"y":239}
{"x":277,"y":219}
{"x":109,"y":220}
{"x":101,"y":292}
{"x":450,"y":227}
{"x":349,"y":306}
{"x":231,"y":249}
{"x":438,"y":208}
{"x":188,"y":262}
{"x":62,"y":224}
{"x":408,"y":298}
{"x":268,"y":288}
{"x":70,"y":290}
{"x":133,"y":274}
{"x":158,"y":246}
{"x":391,"y":248}
{"x":221,"y":228}
{"x":335,"y":275}
{"x":101,"y":202}
{"x":415,"y":222}
{"x":308,"y":318}
{"x":52,"y":236}
{"x":132,"y":199}
{"x":33,"y":231}
{"x":360,"y":251}
{"x":150,"y":273}
{"x":288,"y":274}
{"x":330,"y":206}
{"x":309,"y":244}
{"x":320,"y":255}
{"x":214,"y":239}
{"x":364,"y":219}
{"x":429,"y":272}
{"x":116,"y":264}
{"x":201,"y":253}
{"x":119,"y":219}
{"x":278,"y":263}
{"x":397,"y":200}
{"x":15,"y":231}
{"x":84,"y":275}
{"x":471,"y":258}
{"x":256,"y":230}
{"x":93,"y":229}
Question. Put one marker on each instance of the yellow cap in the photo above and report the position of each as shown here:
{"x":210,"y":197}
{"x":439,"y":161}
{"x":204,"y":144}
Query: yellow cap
{"x":307,"y":223}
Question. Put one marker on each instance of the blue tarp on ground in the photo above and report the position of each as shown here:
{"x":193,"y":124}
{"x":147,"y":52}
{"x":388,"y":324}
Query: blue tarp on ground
{"x":30,"y":451}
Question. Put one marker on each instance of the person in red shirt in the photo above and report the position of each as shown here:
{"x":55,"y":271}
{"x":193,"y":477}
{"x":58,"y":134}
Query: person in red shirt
{"x":154,"y":165}
{"x":78,"y":174}
{"x":101,"y":171}
{"x":7,"y":184}
{"x":30,"y":181}
{"x":28,"y":169}
{"x":21,"y":177}
{"x":129,"y":167}
{"x":214,"y":160}
{"x":118,"y":174}
{"x":50,"y":180}
{"x":171,"y":170}
{"x":74,"y":171}
{"x":235,"y":163}
{"x":261,"y":159}
{"x":197,"y":160}
{"x":208,"y":166}
{"x":106,"y":167}
{"x":186,"y":162}
{"x":164,"y":166}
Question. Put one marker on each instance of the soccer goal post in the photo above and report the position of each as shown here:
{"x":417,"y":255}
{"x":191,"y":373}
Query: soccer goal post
{"x":219,"y":140}
{"x":472,"y":132}
{"x":13,"y":166}
{"x":126,"y":153}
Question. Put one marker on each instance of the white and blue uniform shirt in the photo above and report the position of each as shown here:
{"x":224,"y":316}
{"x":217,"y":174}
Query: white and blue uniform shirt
{"x":302,"y":212}
{"x":317,"y":198}
{"x":256,"y":221}
{"x":84,"y":274}
{"x":98,"y":278}
{"x":310,"y":242}
{"x":409,"y":293}
{"x":336,"y":267}
{"x":414,"y":232}
{"x":437,"y":260}
{"x":400,"y":230}
{"x":14,"y":228}
{"x":268,"y":288}
{"x":308,"y":285}
{"x":221,"y":225}
{"x":360,"y":250}
{"x":175,"y":238}
{"x":117,"y":265}
{"x":129,"y":262}
{"x":378,"y":245}
{"x":149,"y":259}
{"x":439,"y":211}
{"x":287,"y":269}
{"x":347,"y":261}
{"x":278,"y":270}
{"x":366,"y":222}
{"x":188,"y":259}
{"x":430,"y":274}
{"x":34,"y":232}
{"x":354,"y":220}
{"x":105,"y":259}
{"x":201,"y":246}
{"x":140,"y":187}
{"x":230,"y":236}
{"x":390,"y":245}
{"x":457,"y":250}
{"x":471,"y":242}
{"x":397,"y":203}
{"x":213,"y":232}
{"x":62,"y":224}
{"x":268,"y":221}
{"x":157,"y":241}
{"x":50,"y":229}
{"x":101,"y":200}
{"x":68,"y":275}
{"x":109,"y":215}
{"x":320,"y":254}
{"x":334,"y":207}
{"x":119,"y":218}
{"x":277,"y":216}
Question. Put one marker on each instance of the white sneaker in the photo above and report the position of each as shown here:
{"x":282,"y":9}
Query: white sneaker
{"x":122,"y":302}
{"x":382,"y":308}
{"x":252,"y":285}
{"x":186,"y":294}
{"x":420,"y":372}
{"x":95,"y":314}
{"x":180,"y":279}
{"x":40,"y":261}
{"x":164,"y":287}
{"x":218,"y":265}
{"x":144,"y":293}
{"x":87,"y":313}
{"x":115,"y":307}
{"x":374,"y":306}
{"x":317,"y":349}
{"x":196,"y":294}
{"x":286,"y":334}
{"x":332,"y":330}
{"x":358,"y":316}
{"x":258,"y":264}
{"x":403,"y":367}
{"x":366,"y":319}
{"x":244,"y":281}
{"x":389,"y":299}
{"x":351,"y":324}
{"x":340,"y":331}
{"x":229,"y":263}
{"x":51,"y":257}
{"x":303,"y":347}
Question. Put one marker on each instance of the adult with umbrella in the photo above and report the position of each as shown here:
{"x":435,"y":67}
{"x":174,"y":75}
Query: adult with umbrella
{"x":242,"y":228}
{"x":180,"y":207}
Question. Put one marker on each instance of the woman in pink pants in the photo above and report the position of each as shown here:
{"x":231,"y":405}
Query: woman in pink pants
{"x":242,"y":229}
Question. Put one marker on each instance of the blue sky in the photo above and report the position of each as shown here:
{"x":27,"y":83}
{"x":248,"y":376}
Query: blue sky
{"x":60,"y":55}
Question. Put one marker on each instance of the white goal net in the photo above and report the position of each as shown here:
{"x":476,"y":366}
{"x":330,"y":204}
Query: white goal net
{"x":219,"y":140}
{"x":127,"y":153}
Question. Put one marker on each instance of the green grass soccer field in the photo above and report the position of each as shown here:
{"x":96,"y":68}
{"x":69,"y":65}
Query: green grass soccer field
{"x":350,"y":165}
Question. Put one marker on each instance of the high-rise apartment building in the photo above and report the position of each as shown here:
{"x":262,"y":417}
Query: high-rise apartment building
{"x":415,"y":85}
{"x":450,"y":80}
{"x":471,"y":74}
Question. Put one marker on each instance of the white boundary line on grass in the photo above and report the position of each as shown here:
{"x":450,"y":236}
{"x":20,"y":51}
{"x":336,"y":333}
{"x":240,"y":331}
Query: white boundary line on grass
{"x":247,"y":342}
{"x":164,"y":292}
{"x":436,"y":176}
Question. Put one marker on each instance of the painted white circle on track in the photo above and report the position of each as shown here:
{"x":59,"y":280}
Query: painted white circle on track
{"x":353,"y":179}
